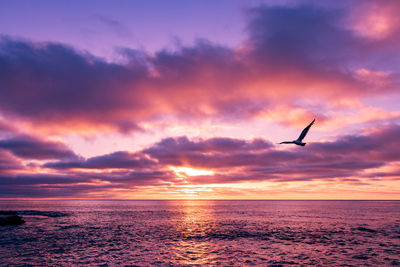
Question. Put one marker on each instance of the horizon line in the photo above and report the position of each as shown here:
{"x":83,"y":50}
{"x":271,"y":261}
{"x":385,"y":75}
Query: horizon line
{"x":183,"y":199}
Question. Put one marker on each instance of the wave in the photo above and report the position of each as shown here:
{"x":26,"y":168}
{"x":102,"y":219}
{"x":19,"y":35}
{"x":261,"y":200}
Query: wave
{"x":42,"y":213}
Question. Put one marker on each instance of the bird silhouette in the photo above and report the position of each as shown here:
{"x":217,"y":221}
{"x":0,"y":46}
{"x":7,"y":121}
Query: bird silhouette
{"x":301,"y":137}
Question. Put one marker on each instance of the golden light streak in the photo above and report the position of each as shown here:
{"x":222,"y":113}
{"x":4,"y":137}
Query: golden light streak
{"x":186,"y":171}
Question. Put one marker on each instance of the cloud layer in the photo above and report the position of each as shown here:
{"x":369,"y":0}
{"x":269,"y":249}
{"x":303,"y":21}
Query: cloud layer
{"x":359,"y":159}
{"x":307,"y":49}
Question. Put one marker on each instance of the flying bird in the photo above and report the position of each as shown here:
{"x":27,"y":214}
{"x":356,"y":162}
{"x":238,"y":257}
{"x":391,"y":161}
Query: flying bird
{"x":301,"y":137}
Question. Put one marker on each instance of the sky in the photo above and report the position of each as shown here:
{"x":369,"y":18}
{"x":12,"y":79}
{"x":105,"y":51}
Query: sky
{"x":188,"y":99}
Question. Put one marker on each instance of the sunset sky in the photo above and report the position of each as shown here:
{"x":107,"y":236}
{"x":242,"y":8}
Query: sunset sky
{"x":187,"y":99}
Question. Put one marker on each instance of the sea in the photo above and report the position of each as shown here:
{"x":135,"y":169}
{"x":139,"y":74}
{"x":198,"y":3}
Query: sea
{"x":201,"y":233}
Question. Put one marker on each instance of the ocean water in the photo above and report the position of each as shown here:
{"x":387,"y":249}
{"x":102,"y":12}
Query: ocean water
{"x":209,"y":233}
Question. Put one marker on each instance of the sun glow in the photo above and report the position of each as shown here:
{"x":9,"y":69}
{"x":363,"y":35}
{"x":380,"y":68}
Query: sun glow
{"x":186,"y":171}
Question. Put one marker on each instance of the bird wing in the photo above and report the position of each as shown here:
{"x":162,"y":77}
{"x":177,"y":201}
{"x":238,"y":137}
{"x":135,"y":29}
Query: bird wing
{"x":305,"y":131}
{"x":286,"y":142}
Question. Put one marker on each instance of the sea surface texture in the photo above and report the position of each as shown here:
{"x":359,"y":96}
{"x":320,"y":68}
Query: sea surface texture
{"x":209,"y":233}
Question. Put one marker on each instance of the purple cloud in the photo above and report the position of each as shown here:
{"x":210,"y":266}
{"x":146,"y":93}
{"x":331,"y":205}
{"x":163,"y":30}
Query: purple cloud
{"x":55,"y":85}
{"x":232,"y":160}
{"x":119,"y":160}
{"x":28,"y":147}
{"x":9,"y":162}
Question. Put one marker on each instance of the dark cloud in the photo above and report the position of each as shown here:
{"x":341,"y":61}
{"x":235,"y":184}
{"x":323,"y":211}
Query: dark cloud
{"x":216,"y":144}
{"x":120,"y":159}
{"x":212,"y":152}
{"x":347,"y":156}
{"x":306,"y":36}
{"x":379,"y":144}
{"x":54,"y":82}
{"x":350,"y":159}
{"x":244,"y":160}
{"x":55,"y":85}
{"x":28,"y":147}
{"x":141,"y":177}
{"x":78,"y":185}
{"x":38,"y":179}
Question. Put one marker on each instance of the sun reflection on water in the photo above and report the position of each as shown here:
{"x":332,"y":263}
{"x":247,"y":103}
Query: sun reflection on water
{"x":195,"y":223}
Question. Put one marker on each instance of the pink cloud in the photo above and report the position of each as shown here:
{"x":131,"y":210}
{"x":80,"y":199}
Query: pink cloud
{"x":290,"y":53}
{"x":352,"y":160}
